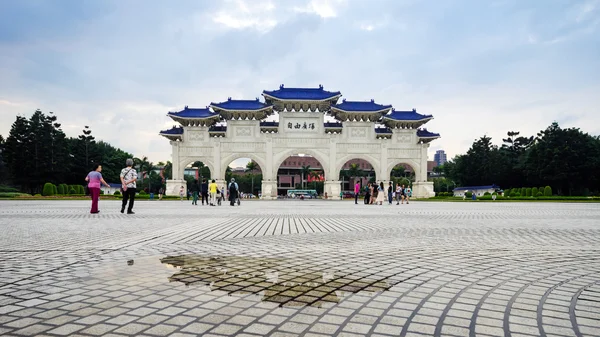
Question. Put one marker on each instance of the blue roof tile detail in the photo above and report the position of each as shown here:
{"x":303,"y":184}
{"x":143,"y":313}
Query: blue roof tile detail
{"x":173,"y":131}
{"x":241,"y":104}
{"x":271,"y":124}
{"x":382,"y":130}
{"x":423,"y":133}
{"x":332,"y":124}
{"x":406,"y":115}
{"x":476,"y":188}
{"x":361,"y":106}
{"x":194,"y":113}
{"x":308,"y":94}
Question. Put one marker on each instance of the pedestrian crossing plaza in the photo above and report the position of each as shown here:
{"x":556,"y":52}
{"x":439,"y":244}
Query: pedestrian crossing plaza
{"x":300,"y":268}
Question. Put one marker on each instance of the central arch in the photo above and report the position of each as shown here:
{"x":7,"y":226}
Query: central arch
{"x":280,"y":157}
{"x":413,"y":164}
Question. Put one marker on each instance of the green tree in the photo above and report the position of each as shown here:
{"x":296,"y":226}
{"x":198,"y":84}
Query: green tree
{"x":305,"y":170}
{"x":534,"y":191}
{"x":528,"y":192}
{"x":354,"y":171}
{"x":566,"y":159}
{"x":250,"y":168}
{"x":548,"y":191}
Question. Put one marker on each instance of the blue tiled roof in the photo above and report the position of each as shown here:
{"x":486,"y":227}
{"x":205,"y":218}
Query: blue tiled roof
{"x":476,"y":187}
{"x":113,"y":185}
{"x":406,"y":115}
{"x":309,"y":94}
{"x":173,"y":131}
{"x":240,"y":104}
{"x":269,"y":124}
{"x":361,"y":106}
{"x":426,"y":134}
{"x":332,"y":125}
{"x":193,"y":113}
{"x":383,"y":130}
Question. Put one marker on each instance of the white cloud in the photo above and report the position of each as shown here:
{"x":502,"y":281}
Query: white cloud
{"x":324,"y":8}
{"x":239,"y":14}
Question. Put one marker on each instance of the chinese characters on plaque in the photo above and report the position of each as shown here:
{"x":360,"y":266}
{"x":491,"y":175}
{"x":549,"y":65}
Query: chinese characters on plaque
{"x":300,"y":126}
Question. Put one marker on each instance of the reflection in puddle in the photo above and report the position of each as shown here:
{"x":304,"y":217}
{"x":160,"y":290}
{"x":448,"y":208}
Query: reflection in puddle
{"x":279,"y":282}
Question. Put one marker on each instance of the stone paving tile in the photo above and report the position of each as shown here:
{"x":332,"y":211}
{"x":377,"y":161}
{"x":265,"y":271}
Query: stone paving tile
{"x":289,"y":268}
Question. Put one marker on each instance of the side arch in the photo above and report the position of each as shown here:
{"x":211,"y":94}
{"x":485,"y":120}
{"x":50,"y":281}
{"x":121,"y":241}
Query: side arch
{"x":279,"y":157}
{"x":225,"y":161}
{"x":414,"y":164}
{"x":185,"y":161}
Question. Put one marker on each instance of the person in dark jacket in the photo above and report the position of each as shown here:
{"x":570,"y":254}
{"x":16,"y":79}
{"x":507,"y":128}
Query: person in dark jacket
{"x":204,"y":191}
{"x":195,"y":189}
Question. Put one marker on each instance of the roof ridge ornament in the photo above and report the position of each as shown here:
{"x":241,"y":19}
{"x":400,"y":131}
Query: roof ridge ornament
{"x":372,"y":100}
{"x":281,"y":86}
{"x":344,"y":100}
{"x":257,"y":99}
{"x":414,"y":110}
{"x":186,"y":107}
{"x":321,"y":86}
{"x":229,"y":98}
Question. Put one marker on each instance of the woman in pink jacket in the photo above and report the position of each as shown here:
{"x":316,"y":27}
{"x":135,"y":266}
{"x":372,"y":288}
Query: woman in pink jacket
{"x":94,"y":178}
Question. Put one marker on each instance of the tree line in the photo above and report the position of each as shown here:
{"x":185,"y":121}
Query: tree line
{"x":567,"y":160}
{"x":37,"y":151}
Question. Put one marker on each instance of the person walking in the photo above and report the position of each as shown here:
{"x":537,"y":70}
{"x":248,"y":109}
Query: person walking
{"x":195,"y":188}
{"x":373,"y":190}
{"x":356,"y":192}
{"x":94,"y":179}
{"x":204,"y":191}
{"x":233,"y":189}
{"x":181,"y":193}
{"x":398,"y":194}
{"x":368,"y":194}
{"x":390,"y":192}
{"x":212,"y":189}
{"x":128,"y":186}
{"x":380,"y":193}
{"x":407,"y":193}
{"x":161,"y":191}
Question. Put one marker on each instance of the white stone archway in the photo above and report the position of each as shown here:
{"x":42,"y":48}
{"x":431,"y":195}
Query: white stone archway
{"x":301,"y":129}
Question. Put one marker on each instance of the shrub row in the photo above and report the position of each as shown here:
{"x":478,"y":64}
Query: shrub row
{"x":529,"y":192}
{"x":62,"y":189}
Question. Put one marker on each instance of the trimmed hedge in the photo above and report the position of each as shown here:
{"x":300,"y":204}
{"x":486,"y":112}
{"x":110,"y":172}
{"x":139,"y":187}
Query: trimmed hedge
{"x":48,"y":189}
{"x":60,"y":189}
{"x":547,"y":191}
{"x":528,"y":192}
{"x":534,"y":191}
{"x":117,"y":193}
{"x":72,"y":191}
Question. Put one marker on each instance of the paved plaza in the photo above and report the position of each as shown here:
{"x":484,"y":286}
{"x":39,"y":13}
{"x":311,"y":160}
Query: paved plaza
{"x":289,"y":268}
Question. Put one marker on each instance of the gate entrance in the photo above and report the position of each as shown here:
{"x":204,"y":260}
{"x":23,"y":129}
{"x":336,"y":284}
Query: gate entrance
{"x":233,"y":129}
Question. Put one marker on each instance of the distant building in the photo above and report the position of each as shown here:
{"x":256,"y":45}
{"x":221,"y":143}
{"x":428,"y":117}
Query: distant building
{"x":440,"y":157}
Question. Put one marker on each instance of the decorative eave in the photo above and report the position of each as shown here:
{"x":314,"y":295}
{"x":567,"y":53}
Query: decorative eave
{"x":195,"y":117}
{"x":359,"y":111}
{"x":269,"y":127}
{"x":333,"y":127}
{"x":426,"y":136}
{"x":217,"y":131}
{"x":301,"y":99}
{"x":405,"y":119}
{"x":175,"y":133}
{"x":242,"y":109}
{"x":383,"y":132}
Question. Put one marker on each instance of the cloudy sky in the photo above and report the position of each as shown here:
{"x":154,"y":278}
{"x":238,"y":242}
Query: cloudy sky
{"x":480,"y":67}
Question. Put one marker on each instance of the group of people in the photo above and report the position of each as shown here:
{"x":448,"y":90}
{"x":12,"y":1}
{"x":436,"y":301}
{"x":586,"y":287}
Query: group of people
{"x":376,"y":194}
{"x":212,"y":191}
{"x":128,"y":178}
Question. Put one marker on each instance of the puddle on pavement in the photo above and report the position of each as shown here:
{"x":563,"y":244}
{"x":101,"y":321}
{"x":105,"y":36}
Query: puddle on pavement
{"x":274,"y":279}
